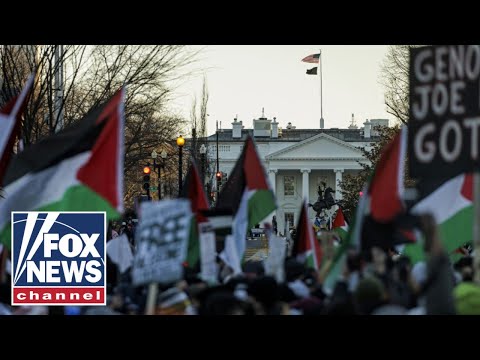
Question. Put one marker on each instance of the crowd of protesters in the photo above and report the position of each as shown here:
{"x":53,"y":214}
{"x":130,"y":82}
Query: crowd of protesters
{"x":377,"y":282}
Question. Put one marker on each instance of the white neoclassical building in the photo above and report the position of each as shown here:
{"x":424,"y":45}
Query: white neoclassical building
{"x":296,"y":160}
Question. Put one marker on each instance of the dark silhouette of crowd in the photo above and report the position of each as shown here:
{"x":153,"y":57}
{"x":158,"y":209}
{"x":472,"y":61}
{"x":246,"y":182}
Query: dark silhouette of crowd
{"x":371,"y":283}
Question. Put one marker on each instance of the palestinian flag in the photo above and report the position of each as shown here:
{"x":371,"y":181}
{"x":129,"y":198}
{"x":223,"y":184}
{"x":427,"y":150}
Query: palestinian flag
{"x":192,"y":189}
{"x":306,"y":247}
{"x":339,"y":225}
{"x":384,"y":193}
{"x":377,"y":209}
{"x":247,"y":194}
{"x":77,"y":169}
{"x":10,"y":125}
{"x":386,"y":187}
{"x":352,"y":241}
{"x":452,"y":207}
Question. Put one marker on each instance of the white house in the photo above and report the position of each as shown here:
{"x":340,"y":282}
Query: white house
{"x":296,"y":160}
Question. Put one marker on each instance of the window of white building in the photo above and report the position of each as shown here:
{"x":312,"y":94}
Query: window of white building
{"x":289,"y":219}
{"x":221,"y":148}
{"x":289,"y":185}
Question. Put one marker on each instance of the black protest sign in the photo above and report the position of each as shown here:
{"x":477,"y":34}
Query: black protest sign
{"x":443,"y":136}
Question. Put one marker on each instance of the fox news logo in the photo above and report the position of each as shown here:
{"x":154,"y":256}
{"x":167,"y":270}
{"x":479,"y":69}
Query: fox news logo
{"x":58,"y":258}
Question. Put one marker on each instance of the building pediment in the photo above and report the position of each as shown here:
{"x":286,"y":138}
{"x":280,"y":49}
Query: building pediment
{"x":321,"y":146}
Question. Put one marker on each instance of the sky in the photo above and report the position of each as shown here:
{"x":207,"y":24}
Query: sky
{"x":243,"y":79}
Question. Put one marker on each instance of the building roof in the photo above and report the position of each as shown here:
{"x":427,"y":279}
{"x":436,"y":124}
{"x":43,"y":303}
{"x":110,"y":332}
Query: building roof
{"x":289,"y":135}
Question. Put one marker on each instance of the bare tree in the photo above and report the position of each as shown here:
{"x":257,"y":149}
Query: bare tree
{"x":18,"y":62}
{"x":92,"y":75}
{"x":198,"y":121}
{"x":194,"y":124}
{"x":394,"y":78}
{"x":203,"y":110}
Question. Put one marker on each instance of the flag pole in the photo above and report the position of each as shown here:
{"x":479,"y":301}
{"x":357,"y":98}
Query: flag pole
{"x":59,"y":105}
{"x":321,"y":94}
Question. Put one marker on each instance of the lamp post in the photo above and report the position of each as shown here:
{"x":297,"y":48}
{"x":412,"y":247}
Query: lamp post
{"x":218,"y":163}
{"x":203,"y":151}
{"x":218,"y":168}
{"x":180,"y":143}
{"x":163,"y":155}
{"x":158,"y":168}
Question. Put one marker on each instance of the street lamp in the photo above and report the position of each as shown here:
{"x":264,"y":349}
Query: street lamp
{"x":180,"y":143}
{"x":203,"y":151}
{"x":158,"y":167}
{"x":163,"y":155}
{"x":218,"y":166}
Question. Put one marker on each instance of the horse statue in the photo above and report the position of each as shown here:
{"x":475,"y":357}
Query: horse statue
{"x":323,"y":207}
{"x":325,"y":199}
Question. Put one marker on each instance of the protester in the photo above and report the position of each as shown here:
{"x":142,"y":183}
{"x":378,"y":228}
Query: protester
{"x":274,"y":224}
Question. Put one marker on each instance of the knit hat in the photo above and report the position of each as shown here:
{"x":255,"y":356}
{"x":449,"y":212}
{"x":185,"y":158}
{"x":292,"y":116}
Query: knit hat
{"x":467,"y":298}
{"x":172,"y":302}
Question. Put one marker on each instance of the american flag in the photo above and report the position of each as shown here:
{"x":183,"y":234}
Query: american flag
{"x":314,"y":58}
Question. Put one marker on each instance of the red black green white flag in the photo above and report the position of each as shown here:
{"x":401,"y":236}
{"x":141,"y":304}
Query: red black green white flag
{"x":80,"y":168}
{"x":384,"y":198}
{"x":451,"y":204}
{"x":340,"y":225}
{"x":247,"y":194}
{"x":379,"y":205}
{"x":10,"y":125}
{"x":306,"y":247}
{"x":193,"y":190}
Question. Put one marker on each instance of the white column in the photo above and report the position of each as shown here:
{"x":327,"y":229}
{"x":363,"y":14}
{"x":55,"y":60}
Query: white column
{"x":338,"y":177}
{"x":272,"y":175}
{"x":305,"y":184}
